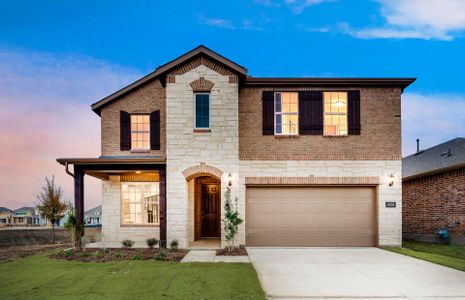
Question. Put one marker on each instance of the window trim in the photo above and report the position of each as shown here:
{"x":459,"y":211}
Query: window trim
{"x":122,"y":224}
{"x":209,"y":111}
{"x":130,"y":125}
{"x":336,"y":114}
{"x":274,"y":114}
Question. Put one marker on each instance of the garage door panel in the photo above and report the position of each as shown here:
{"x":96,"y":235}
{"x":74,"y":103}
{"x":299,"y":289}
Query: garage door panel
{"x":310,"y":216}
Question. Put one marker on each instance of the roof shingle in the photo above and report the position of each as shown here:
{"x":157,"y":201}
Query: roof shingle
{"x":443,"y":156}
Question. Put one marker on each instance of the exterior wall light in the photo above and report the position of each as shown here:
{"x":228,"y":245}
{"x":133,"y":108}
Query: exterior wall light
{"x":391,"y":180}
{"x":229,"y":179}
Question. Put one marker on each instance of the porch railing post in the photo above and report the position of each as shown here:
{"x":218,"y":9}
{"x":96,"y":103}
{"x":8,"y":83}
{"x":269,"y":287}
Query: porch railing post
{"x":79,"y":195}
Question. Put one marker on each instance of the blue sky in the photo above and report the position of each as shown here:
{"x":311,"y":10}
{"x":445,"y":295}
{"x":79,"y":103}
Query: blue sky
{"x":58,"y":57}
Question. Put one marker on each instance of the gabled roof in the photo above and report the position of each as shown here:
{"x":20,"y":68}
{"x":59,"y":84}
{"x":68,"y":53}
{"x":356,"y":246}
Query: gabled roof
{"x":166,"y":68}
{"x":244,"y":79}
{"x":2,"y":209}
{"x":440,"y":158}
{"x":91,"y":212}
{"x":24,"y":210}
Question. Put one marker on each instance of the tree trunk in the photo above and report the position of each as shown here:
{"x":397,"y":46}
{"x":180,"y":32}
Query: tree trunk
{"x":53,"y":233}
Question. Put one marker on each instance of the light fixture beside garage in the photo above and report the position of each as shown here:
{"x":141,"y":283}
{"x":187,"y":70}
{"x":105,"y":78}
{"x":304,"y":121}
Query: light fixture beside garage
{"x":391,"y":180}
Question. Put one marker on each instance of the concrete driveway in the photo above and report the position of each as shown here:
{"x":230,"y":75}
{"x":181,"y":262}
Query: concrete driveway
{"x":348,"y":273}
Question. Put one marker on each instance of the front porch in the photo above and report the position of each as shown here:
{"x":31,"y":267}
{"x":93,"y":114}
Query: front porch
{"x":134,"y":197}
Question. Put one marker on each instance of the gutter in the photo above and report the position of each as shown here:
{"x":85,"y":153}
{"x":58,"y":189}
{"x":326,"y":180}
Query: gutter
{"x":434,"y":172}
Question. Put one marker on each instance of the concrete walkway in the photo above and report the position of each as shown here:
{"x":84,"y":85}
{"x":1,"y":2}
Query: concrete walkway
{"x":210,"y":256}
{"x":352,"y":273}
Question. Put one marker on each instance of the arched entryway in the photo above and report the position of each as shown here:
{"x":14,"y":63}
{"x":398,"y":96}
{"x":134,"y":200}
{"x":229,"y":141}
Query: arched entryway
{"x":204,"y":208}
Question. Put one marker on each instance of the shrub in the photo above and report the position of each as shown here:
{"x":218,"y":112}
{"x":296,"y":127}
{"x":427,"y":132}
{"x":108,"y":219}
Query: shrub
{"x":98,"y":254}
{"x":161,"y":254}
{"x":83,"y":254}
{"x":127,"y":243}
{"x":117,"y":255}
{"x":174,"y":245}
{"x":69,"y":253}
{"x":151,"y":242}
{"x":136,"y":256}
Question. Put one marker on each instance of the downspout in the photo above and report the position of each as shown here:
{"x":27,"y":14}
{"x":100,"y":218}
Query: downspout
{"x":67,"y":170}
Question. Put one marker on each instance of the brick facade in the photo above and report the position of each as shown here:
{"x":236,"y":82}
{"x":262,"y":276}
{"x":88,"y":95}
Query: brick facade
{"x":380,"y":137}
{"x":433,"y":202}
{"x":146,"y":99}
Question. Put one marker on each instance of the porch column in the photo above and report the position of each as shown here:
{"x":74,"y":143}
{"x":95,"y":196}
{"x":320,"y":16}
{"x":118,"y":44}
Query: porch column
{"x":79,"y":195}
{"x":162,"y":173}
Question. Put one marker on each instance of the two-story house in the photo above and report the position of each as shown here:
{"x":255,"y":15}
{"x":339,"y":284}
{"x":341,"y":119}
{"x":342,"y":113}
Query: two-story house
{"x":313,"y":161}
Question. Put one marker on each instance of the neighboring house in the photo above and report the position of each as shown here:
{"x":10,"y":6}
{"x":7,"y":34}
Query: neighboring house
{"x":433,"y":192}
{"x":312,"y":161}
{"x":5,"y":216}
{"x":93,"y":217}
{"x":24,"y":216}
{"x":38,"y":219}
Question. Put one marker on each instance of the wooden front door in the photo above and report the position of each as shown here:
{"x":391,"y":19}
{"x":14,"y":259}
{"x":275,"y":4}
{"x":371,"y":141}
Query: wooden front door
{"x":210,"y":210}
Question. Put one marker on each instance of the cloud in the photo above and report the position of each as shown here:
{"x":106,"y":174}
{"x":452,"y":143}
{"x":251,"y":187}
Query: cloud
{"x":45,"y":114}
{"x":245,"y":24}
{"x":431,"y":118}
{"x":268,"y":3}
{"x":216,"y":22}
{"x":419,"y":19}
{"x":296,"y":6}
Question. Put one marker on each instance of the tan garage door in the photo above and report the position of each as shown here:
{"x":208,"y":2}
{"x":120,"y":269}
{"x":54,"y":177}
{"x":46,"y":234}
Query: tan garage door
{"x":310,"y":216}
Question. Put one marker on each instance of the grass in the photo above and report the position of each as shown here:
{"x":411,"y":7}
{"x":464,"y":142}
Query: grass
{"x":446,"y":255}
{"x":38,"y":277}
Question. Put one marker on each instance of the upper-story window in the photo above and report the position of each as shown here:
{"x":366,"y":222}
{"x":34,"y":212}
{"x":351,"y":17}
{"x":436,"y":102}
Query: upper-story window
{"x":335,"y":113}
{"x":202,"y":111}
{"x":140,"y":132}
{"x":286,"y":110}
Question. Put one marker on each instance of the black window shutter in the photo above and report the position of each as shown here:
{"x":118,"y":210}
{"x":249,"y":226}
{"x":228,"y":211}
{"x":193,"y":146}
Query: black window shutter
{"x":268,"y":112}
{"x":125,"y":130}
{"x":353,"y":112}
{"x":311,"y":113}
{"x":155,"y":130}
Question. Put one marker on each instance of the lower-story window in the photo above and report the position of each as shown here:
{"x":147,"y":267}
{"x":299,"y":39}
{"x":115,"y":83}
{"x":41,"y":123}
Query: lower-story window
{"x":140,"y":203}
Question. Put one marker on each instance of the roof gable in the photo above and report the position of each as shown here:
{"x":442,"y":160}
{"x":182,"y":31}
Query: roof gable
{"x":200,"y":54}
{"x":445,"y":156}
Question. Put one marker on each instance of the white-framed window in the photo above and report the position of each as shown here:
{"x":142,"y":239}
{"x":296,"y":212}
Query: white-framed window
{"x":202,"y":111}
{"x":335,"y":113}
{"x":140,"y":203}
{"x":286,"y":113}
{"x":140,"y":132}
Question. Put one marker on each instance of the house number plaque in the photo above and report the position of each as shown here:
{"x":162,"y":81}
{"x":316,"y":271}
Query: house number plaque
{"x":390,"y":204}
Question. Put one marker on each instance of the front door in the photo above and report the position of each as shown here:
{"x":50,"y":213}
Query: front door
{"x":210,"y":210}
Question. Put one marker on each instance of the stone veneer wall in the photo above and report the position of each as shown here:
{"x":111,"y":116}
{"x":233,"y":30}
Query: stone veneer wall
{"x":389,"y":219}
{"x":218,"y":148}
{"x":112,"y":231}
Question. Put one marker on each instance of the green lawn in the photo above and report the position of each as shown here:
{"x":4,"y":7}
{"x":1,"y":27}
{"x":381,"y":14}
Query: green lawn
{"x":38,"y":277}
{"x":446,"y":255}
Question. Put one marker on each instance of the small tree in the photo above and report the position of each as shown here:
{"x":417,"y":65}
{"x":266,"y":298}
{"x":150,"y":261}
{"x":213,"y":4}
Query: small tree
{"x":231,"y":219}
{"x":74,"y":228}
{"x":50,"y":203}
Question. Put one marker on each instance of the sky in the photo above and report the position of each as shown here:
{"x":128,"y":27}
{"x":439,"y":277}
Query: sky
{"x":58,"y":57}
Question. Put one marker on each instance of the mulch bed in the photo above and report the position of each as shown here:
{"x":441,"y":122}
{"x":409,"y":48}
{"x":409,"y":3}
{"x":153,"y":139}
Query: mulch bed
{"x":240,"y":251}
{"x":117,"y":254}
